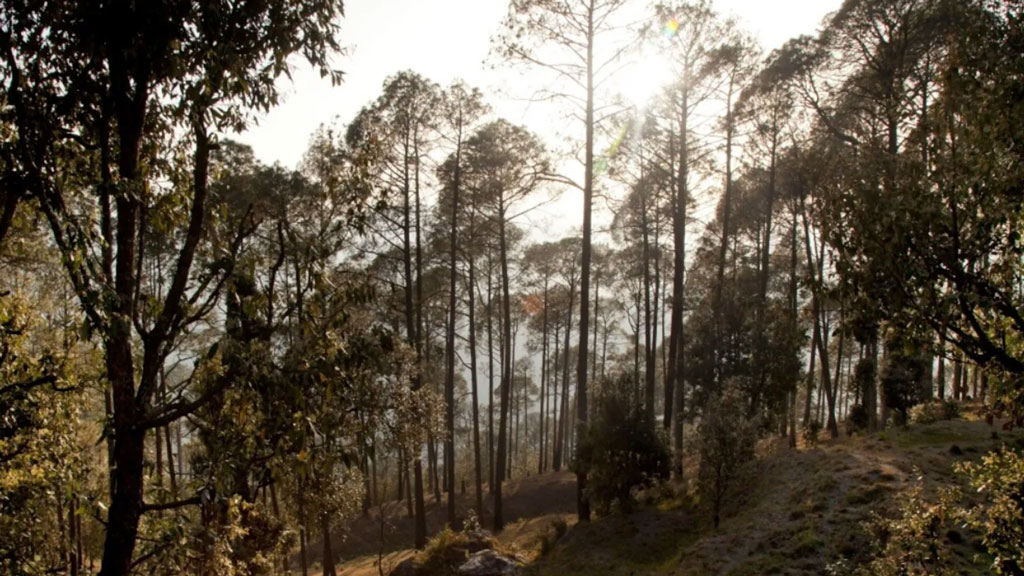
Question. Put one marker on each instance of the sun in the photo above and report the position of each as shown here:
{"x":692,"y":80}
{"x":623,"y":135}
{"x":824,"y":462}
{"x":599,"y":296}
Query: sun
{"x":640,"y":81}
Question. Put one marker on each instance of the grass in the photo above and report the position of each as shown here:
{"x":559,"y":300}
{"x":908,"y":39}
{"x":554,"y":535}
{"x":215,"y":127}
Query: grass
{"x":648,"y":541}
{"x":801,"y":511}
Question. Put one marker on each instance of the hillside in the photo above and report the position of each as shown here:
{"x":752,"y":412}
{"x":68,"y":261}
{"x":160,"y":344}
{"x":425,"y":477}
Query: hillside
{"x":795,"y":512}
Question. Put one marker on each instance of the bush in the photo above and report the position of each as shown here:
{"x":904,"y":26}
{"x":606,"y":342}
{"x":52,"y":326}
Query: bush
{"x":919,"y":539}
{"x":552,"y":534}
{"x":810,"y":432}
{"x":449,"y":549}
{"x":934,"y":411}
{"x":913,"y":542}
{"x":999,"y":478}
{"x":858,"y":419}
{"x":623,"y":450}
{"x":727,"y":442}
{"x":905,"y":381}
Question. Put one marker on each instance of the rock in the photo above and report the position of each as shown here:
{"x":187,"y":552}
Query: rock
{"x":476,"y":541}
{"x":488,"y":563}
{"x":407,"y":567}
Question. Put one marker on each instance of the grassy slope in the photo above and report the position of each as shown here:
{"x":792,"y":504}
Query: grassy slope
{"x":531,"y":505}
{"x":794,"y":512}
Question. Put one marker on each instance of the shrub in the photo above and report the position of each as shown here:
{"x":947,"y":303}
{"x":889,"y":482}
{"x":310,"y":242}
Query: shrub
{"x":552,"y":534}
{"x":999,"y":478}
{"x":934,"y":411}
{"x":623,"y":450}
{"x":727,"y":441}
{"x":858,"y":419}
{"x":912,"y":542}
{"x":905,"y":381}
{"x":918,"y":540}
{"x":810,"y":432}
{"x":449,"y":549}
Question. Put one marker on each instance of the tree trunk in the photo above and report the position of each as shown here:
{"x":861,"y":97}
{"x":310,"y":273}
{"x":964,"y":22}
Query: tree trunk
{"x":645,"y":255}
{"x":582,"y":501}
{"x":941,"y":374}
{"x":815,"y":335}
{"x":303,"y":536}
{"x":957,"y":376}
{"x":328,"y":559}
{"x":723,"y":247}
{"x":674,"y":392}
{"x":490,"y":374}
{"x":544,"y":372}
{"x":815,"y":269}
{"x":477,"y":476}
{"x":506,"y":373}
{"x":556,"y":414}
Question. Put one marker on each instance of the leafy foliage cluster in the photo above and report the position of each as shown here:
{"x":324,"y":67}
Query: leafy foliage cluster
{"x":726,"y":446}
{"x":917,"y":539}
{"x":623,"y":451}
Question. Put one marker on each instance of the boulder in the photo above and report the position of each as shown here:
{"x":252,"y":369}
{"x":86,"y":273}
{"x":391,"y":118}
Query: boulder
{"x":488,"y":563}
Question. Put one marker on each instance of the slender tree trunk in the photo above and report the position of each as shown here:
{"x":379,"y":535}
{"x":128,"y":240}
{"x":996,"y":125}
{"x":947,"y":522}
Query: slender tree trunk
{"x":542,"y":430}
{"x":650,"y":326}
{"x":158,"y":447}
{"x":723,"y":247}
{"x":832,"y":426}
{"x":556,"y":410}
{"x":514,"y":399}
{"x":506,"y":385}
{"x":582,"y":501}
{"x":941,"y":374}
{"x":766,"y":243}
{"x":638,"y":325}
{"x":564,"y":431}
{"x":793,"y":318}
{"x":303,"y":535}
{"x":597,"y":324}
{"x":815,"y":335}
{"x":449,"y":384}
{"x":74,"y":554}
{"x":328,"y":559}
{"x":478,"y":476}
{"x":674,"y":385}
{"x":957,"y":376}
{"x":276,"y":509}
{"x":490,"y":375}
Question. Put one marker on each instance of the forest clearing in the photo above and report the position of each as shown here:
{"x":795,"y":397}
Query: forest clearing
{"x":578,"y":287}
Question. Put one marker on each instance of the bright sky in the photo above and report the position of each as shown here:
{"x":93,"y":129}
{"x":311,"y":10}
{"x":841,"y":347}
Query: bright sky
{"x":444,"y":40}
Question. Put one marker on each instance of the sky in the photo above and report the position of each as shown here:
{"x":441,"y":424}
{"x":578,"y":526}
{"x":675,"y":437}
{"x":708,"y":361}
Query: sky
{"x":446,"y":40}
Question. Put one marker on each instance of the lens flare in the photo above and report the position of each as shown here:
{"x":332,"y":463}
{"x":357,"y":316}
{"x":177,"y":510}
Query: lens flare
{"x":671,"y":28}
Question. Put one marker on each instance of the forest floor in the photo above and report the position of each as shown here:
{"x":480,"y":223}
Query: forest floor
{"x":795,"y":511}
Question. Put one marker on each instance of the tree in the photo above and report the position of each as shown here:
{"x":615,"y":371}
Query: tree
{"x":503,"y":165}
{"x":906,"y":375}
{"x":767,"y":104}
{"x":625,"y":451}
{"x":575,"y":30}
{"x":462,"y":106}
{"x":393,"y":135}
{"x":696,"y":36}
{"x":541,"y":260}
{"x":106,"y":95}
{"x":726,"y":444}
{"x":945,"y":182}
